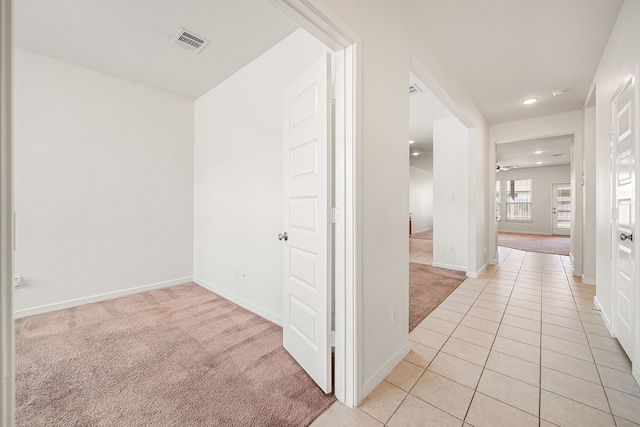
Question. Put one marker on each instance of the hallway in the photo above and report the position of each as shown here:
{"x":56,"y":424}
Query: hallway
{"x":518,"y":346}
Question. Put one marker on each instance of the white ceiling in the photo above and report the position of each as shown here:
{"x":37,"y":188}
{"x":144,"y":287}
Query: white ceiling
{"x":504,"y":51}
{"x":553,"y":151}
{"x":424,"y":109}
{"x":131,"y":39}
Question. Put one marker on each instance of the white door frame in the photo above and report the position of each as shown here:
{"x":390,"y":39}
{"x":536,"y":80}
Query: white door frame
{"x":320,"y":21}
{"x":7,"y":341}
{"x":635,"y":363}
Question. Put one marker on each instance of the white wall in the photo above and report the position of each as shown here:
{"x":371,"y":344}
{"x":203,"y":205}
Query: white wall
{"x":382,"y":194}
{"x":103,"y":185}
{"x":450,"y":194}
{"x":392,"y":42}
{"x":238,"y":177}
{"x":423,"y":161}
{"x":7,"y":332}
{"x":542,"y":180}
{"x":620,"y":55}
{"x":428,"y":66}
{"x":421,"y":198}
{"x":569,"y":123}
{"x":589,"y":197}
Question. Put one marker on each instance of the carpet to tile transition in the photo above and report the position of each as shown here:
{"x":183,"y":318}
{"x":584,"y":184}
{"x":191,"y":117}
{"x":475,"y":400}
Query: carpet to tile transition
{"x":557,"y":245}
{"x":428,"y":287}
{"x":180,"y":356}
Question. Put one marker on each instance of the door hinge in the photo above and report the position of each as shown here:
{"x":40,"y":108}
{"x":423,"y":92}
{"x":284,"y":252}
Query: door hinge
{"x":334,"y":216}
{"x":333,"y":92}
{"x":333,"y":339}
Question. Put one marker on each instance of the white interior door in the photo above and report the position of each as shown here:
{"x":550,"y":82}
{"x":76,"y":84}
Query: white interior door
{"x":561,"y":209}
{"x":307,"y":290}
{"x":625,"y":282}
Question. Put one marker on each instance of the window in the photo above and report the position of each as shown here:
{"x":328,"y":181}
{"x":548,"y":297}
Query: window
{"x":519,"y":199}
{"x":498,"y":201}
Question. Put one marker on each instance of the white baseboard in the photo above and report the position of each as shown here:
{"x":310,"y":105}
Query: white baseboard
{"x":476,"y":274}
{"x":97,"y":298}
{"x":603,"y":314}
{"x":535,"y":233}
{"x":382,"y":373}
{"x":260,"y":311}
{"x":449,"y":266}
{"x":421,"y":231}
{"x":588,"y":280}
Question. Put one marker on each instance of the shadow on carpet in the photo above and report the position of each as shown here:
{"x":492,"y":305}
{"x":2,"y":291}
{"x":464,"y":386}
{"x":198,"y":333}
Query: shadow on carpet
{"x":179,"y":356}
{"x":428,"y":287}
{"x":555,"y":245}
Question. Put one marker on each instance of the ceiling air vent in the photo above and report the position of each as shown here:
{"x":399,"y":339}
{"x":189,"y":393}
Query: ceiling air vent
{"x":188,"y":40}
{"x":413,"y":89}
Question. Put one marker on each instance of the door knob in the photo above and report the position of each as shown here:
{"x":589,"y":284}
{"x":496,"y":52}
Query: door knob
{"x":283,"y":236}
{"x":624,"y":237}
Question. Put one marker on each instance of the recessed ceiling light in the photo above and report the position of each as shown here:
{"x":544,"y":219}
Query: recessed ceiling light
{"x":538,"y":163}
{"x":411,"y":141}
{"x":530,"y":101}
{"x":537,"y":152}
{"x":415,"y":153}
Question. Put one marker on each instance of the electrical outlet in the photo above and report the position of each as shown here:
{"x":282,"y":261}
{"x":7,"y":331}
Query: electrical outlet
{"x":17,"y":282}
{"x":450,"y":249}
{"x":394,"y":314}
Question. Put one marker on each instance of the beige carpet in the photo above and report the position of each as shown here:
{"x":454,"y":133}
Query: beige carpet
{"x":557,"y":245}
{"x":424,"y":235}
{"x":428,"y":287}
{"x":180,"y":356}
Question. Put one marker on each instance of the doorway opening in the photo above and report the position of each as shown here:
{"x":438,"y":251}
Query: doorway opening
{"x":429,"y":132}
{"x":343,"y":255}
{"x":533,"y":194}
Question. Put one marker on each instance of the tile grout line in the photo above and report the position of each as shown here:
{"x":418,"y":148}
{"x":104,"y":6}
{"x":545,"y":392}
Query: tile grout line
{"x":606,"y":396}
{"x":426,"y":369}
{"x":521,"y":262}
{"x":440,"y":351}
{"x":541,"y":337}
{"x":484,"y":367}
{"x":540,"y":366}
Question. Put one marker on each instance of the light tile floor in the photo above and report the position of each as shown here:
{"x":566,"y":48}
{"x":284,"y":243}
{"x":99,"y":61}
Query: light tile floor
{"x":520,"y":346}
{"x":421,"y":251}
